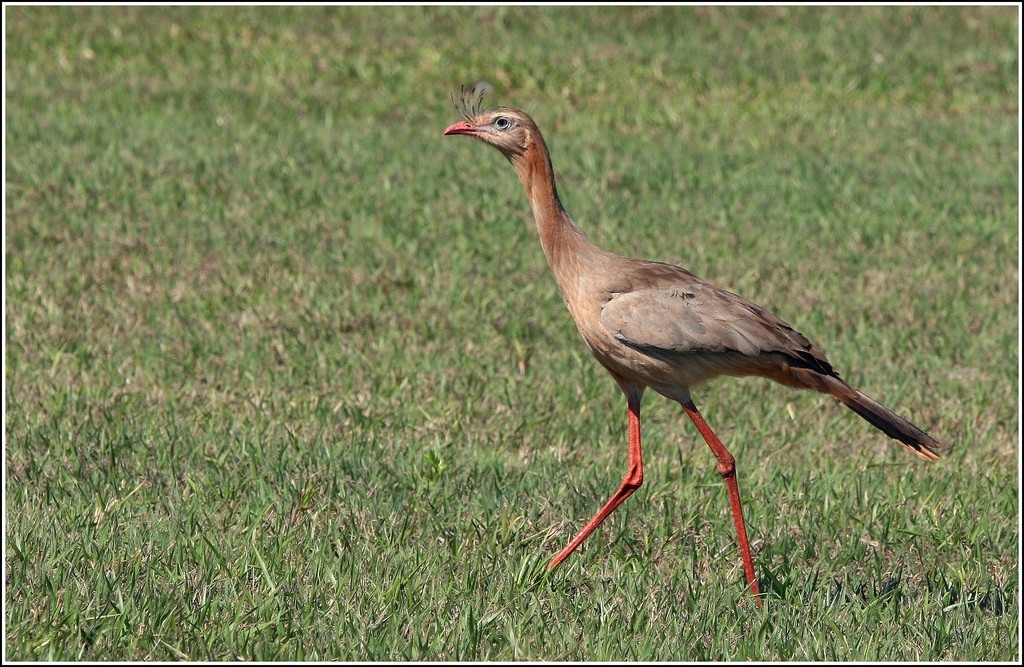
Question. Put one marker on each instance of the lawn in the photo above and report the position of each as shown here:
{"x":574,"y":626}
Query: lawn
{"x":287,"y":376}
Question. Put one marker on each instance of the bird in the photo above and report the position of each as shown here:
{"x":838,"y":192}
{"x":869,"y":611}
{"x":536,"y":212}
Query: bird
{"x":654,"y":325}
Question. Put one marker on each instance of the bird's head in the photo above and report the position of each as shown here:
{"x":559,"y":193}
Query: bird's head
{"x":509,"y":130}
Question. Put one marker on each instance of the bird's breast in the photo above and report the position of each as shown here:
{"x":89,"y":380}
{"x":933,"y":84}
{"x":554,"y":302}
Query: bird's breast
{"x":612,"y":353}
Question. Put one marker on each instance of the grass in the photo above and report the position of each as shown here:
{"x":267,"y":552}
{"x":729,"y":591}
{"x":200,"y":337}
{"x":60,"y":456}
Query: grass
{"x":287,"y":376}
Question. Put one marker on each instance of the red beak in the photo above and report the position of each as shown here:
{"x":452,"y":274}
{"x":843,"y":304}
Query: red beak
{"x":462,"y":127}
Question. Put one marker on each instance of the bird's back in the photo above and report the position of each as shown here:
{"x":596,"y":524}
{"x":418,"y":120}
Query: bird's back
{"x":665,"y":327}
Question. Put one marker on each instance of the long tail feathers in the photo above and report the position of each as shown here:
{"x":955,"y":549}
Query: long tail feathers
{"x":888,"y":422}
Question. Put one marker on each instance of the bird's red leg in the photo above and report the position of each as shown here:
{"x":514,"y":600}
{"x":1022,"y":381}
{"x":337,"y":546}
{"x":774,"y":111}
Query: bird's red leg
{"x":727,"y":469}
{"x":630,"y":483}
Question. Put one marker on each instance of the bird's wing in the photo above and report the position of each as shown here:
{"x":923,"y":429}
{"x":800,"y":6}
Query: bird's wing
{"x":695,"y":317}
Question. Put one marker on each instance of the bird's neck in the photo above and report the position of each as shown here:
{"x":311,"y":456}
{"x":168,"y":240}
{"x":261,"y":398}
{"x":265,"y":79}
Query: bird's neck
{"x":565,"y":244}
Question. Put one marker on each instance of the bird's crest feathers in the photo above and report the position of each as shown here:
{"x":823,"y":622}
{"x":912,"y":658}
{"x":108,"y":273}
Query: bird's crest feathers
{"x":471,"y":102}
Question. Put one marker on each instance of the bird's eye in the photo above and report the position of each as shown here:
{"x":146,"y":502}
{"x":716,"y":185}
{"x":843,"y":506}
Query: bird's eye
{"x":502,"y":123}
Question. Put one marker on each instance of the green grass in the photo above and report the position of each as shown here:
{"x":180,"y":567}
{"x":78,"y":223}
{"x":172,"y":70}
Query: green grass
{"x":287,"y":376}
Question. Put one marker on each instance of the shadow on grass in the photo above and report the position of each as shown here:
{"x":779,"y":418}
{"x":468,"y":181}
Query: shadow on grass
{"x":952,"y":594}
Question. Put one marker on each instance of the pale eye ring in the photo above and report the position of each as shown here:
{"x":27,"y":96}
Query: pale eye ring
{"x":502,"y":123}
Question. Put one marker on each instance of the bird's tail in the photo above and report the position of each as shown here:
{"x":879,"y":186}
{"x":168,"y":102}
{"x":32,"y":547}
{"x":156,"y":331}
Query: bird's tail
{"x":887,"y":421}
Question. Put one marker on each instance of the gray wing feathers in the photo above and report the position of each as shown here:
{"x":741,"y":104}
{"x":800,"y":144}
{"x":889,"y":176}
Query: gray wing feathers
{"x":697,"y":318}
